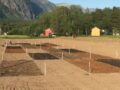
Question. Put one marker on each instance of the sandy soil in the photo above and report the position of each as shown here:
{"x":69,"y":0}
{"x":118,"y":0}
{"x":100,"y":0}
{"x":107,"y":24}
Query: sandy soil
{"x":58,"y":74}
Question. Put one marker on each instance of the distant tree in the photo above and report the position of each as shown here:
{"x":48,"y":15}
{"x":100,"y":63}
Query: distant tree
{"x":115,"y":19}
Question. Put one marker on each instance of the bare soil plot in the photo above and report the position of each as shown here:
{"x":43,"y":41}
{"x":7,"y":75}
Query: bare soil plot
{"x":114,"y":62}
{"x":19,"y":68}
{"x":14,"y":49}
{"x":42,"y":56}
{"x":61,"y":74}
{"x":49,"y":44}
{"x":71,"y":50}
{"x":82,"y":59}
{"x":28,"y":45}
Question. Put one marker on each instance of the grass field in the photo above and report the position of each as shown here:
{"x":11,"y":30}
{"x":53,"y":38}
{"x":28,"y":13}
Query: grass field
{"x":83,"y":37}
{"x":20,"y":37}
{"x":15,"y":37}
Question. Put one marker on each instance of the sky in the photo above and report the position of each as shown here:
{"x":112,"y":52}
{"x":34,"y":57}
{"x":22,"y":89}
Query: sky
{"x":91,"y":3}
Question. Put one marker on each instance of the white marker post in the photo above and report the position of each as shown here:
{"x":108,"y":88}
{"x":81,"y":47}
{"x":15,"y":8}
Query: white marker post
{"x":45,"y":71}
{"x":26,"y":51}
{"x":4,"y":51}
{"x":62,"y":57}
{"x":90,"y":57}
{"x":32,"y":55}
{"x":3,"y":55}
{"x":69,"y":50}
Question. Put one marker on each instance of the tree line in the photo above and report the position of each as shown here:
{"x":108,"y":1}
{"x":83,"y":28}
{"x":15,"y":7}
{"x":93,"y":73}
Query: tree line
{"x":66,"y":21}
{"x":15,"y":27}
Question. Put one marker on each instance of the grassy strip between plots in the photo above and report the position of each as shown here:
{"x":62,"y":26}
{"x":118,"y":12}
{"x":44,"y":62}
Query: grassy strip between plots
{"x":14,"y":36}
{"x":18,"y":37}
{"x":28,"y":37}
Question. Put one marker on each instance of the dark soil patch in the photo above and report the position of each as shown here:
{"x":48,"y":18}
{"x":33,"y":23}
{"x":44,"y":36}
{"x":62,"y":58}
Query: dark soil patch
{"x":19,"y":68}
{"x":49,"y":44}
{"x":71,"y":50}
{"x":29,"y":46}
{"x":14,"y":49}
{"x":23,"y":44}
{"x":96,"y":67}
{"x":81,"y":59}
{"x":38,"y":45}
{"x":42,"y":56}
{"x":114,"y":62}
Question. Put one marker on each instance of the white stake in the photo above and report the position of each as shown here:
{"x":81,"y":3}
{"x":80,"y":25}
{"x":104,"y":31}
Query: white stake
{"x":2,"y":55}
{"x":45,"y":72}
{"x":89,"y":66}
{"x":26,"y":51}
{"x":62,"y":56}
{"x":90,"y":61}
{"x":32,"y":55}
{"x":4,"y":51}
{"x":69,"y":50}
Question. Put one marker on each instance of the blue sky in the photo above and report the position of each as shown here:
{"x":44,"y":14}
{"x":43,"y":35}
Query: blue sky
{"x":91,"y":3}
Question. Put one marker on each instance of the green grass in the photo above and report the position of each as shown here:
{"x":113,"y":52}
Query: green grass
{"x":104,"y":36}
{"x":28,"y":37}
{"x":111,"y":36}
{"x":20,"y":37}
{"x":15,"y":37}
{"x":101,"y":38}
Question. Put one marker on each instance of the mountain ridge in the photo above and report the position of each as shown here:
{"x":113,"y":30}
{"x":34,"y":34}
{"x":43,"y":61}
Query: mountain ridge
{"x":24,"y":9}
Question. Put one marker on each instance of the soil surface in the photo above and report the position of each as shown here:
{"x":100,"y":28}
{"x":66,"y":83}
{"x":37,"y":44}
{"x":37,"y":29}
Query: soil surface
{"x":19,"y":68}
{"x":98,"y":63}
{"x":14,"y":49}
{"x":20,"y":71}
{"x":42,"y":56}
